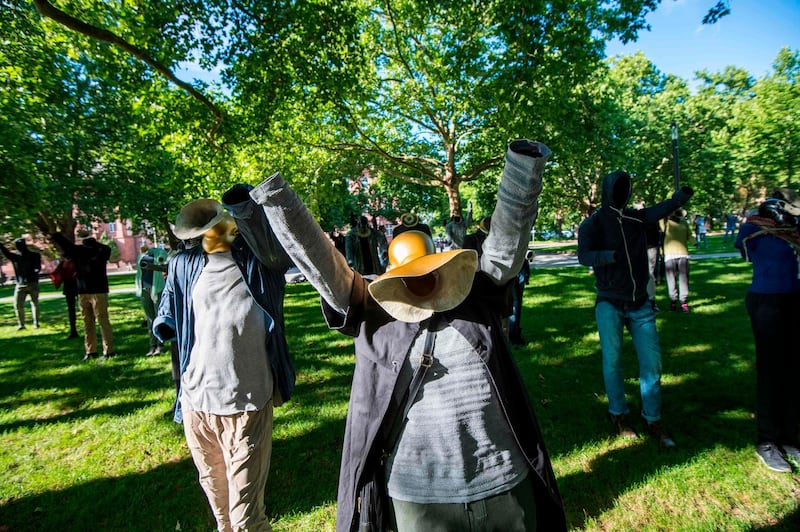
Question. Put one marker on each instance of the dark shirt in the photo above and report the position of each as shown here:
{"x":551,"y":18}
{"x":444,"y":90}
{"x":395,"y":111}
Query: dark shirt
{"x":27,"y":265}
{"x":91,"y":262}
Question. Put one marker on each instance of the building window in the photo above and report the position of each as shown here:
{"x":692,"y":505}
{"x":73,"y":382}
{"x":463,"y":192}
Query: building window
{"x":112,"y":227}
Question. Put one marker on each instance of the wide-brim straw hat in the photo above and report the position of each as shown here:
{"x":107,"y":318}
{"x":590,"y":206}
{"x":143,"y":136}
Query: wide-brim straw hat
{"x":198,"y":217}
{"x":455,"y":272}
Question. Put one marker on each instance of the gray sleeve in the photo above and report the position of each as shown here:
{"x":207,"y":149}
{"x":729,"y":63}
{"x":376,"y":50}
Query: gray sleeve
{"x":305,"y":242}
{"x":254,"y":228}
{"x":515,"y":213}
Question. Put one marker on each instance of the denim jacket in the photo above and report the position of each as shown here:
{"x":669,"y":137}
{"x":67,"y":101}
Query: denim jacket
{"x":262,"y":262}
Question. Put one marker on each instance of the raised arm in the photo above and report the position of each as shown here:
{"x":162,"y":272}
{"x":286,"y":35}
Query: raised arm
{"x":305,"y":242}
{"x":254,"y":228}
{"x":516,"y":210}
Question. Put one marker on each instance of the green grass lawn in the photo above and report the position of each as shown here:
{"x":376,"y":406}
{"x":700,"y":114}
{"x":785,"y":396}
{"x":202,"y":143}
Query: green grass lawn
{"x":87,"y":446}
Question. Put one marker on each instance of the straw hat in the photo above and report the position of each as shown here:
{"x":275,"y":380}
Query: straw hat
{"x":412,"y":254}
{"x":198,"y":217}
{"x":410,"y":222}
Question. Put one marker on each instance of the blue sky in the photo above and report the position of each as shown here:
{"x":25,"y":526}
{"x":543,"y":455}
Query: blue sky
{"x":678,"y":43}
{"x":749,"y":37}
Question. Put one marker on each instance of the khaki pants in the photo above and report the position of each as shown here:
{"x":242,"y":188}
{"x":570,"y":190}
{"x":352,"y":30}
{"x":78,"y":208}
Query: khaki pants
{"x":95,"y":306}
{"x":232,"y":455}
{"x":20,"y":293}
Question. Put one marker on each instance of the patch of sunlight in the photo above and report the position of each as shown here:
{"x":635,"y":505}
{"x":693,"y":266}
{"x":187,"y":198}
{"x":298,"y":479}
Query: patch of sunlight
{"x":581,"y":460}
{"x":672,"y":379}
{"x":695,"y":348}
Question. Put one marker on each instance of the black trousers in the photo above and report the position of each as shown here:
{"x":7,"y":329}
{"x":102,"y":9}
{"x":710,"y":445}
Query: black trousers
{"x":773,"y":318}
{"x":71,"y":299}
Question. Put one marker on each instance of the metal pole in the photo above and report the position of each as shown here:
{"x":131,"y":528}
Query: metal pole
{"x":675,"y":168}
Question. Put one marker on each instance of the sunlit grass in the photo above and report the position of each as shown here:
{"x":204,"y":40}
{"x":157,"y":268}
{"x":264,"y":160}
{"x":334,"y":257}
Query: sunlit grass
{"x":87,"y":446}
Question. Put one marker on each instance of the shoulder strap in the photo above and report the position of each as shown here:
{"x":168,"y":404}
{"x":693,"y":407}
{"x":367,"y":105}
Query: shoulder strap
{"x":426,"y":361}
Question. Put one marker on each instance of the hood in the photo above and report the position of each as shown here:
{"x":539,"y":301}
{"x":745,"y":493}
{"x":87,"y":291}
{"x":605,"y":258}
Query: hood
{"x":21,"y":246}
{"x":617,"y":190}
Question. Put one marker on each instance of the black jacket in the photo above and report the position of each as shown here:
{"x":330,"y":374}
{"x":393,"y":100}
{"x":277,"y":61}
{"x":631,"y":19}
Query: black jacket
{"x":614,"y":243}
{"x":91,"y":262}
{"x":383,"y":373}
{"x":27,"y":264}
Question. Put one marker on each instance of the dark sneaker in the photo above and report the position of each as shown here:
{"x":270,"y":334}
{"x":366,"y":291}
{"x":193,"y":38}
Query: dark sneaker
{"x":792,"y":455}
{"x":660,"y":434}
{"x":621,"y":426}
{"x":89,"y":356}
{"x":673,"y":306}
{"x":772,"y":457}
{"x":109,"y":355}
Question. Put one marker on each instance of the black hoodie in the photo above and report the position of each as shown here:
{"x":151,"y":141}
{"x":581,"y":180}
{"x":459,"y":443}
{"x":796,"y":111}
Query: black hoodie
{"x":612,"y":240}
{"x":27,"y":263}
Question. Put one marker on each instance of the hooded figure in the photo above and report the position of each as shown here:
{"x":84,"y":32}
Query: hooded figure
{"x":439,"y":421}
{"x":613,"y":242}
{"x":27,"y":266}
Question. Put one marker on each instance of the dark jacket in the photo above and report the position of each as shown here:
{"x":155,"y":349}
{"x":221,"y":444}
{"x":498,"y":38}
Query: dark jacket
{"x":27,"y":264}
{"x":91,"y":262}
{"x":382,"y":375}
{"x":262,"y":263}
{"x":614,"y":243}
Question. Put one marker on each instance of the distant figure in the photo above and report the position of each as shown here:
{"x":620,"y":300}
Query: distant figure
{"x":676,"y":256}
{"x":66,"y":275}
{"x":337,"y":237}
{"x":700,"y":231}
{"x":456,"y":228}
{"x":731,"y":221}
{"x":653,"y":238}
{"x":149,"y":285}
{"x":91,"y":261}
{"x":517,"y":292}
{"x":410,"y":222}
{"x":475,"y":239}
{"x":27,"y":266}
{"x":366,"y":249}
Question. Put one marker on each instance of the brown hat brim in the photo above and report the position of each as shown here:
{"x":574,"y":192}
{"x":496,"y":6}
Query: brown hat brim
{"x":198,"y":217}
{"x":456,"y":269}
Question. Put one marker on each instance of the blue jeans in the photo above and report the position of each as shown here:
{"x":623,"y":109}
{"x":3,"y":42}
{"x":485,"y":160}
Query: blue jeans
{"x":641,"y":323}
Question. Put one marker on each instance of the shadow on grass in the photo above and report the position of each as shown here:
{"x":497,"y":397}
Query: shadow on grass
{"x":708,"y":394}
{"x":708,"y":389}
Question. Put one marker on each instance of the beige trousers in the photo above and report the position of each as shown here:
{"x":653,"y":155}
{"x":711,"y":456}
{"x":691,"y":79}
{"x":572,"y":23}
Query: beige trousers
{"x":95,"y":306}
{"x":232,"y":455}
{"x":20,"y":293}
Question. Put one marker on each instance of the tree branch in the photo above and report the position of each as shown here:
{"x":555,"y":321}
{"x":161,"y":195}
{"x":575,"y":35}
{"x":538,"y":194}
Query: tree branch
{"x":50,"y":11}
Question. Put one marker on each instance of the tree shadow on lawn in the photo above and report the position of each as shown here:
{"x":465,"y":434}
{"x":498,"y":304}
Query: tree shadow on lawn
{"x":709,"y":382}
{"x":303,"y":476}
{"x":43,"y":368}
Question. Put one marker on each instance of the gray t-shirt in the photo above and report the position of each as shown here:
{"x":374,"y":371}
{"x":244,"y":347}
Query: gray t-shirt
{"x":228,"y":368}
{"x":456,"y":445}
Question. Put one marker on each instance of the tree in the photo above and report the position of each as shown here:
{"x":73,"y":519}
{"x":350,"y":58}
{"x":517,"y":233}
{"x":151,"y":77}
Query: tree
{"x":428,"y":92}
{"x":766,"y":145}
